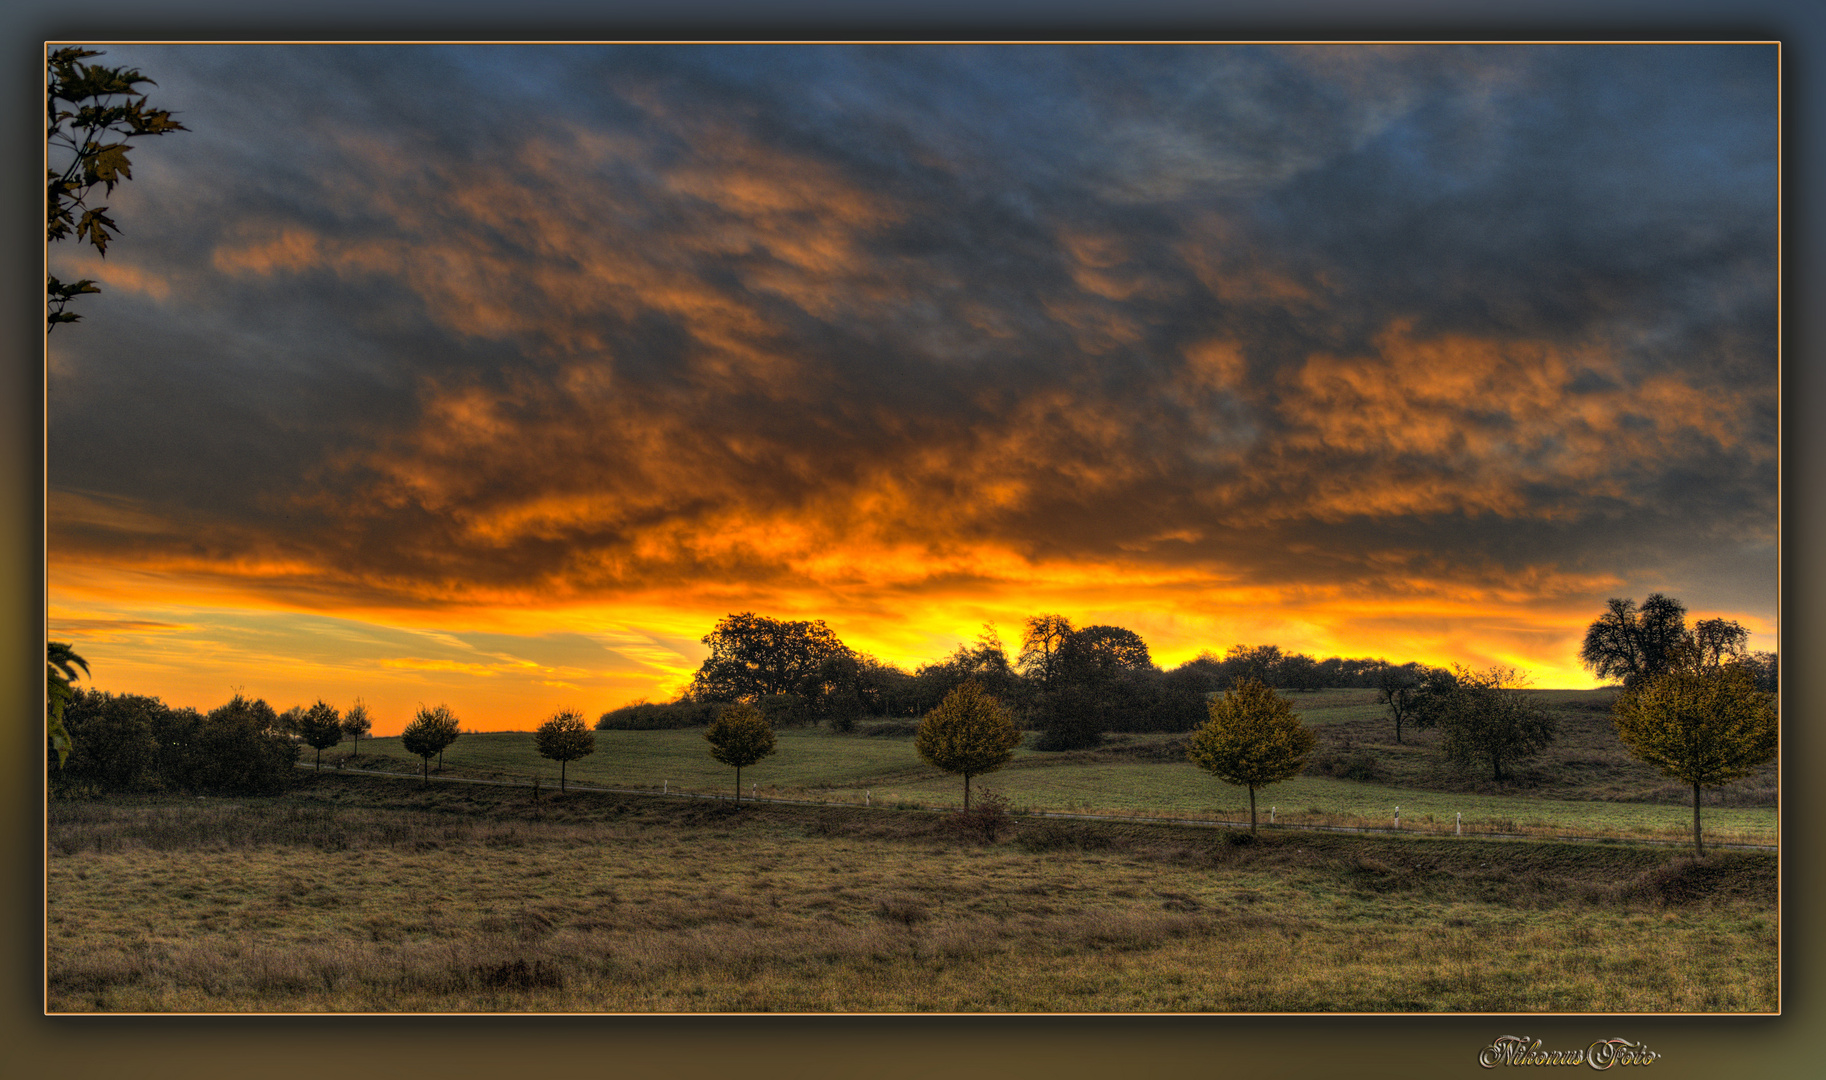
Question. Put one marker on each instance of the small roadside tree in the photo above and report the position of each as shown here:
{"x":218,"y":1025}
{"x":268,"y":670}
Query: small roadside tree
{"x":1705,"y":724}
{"x":320,"y":728}
{"x":356,"y":723}
{"x":1487,"y":717}
{"x":740,"y":738}
{"x":1253,"y":739}
{"x":428,"y":734}
{"x":969,"y":732}
{"x":565,"y":738}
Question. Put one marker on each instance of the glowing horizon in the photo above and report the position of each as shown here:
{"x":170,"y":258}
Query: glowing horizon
{"x":1417,"y":352}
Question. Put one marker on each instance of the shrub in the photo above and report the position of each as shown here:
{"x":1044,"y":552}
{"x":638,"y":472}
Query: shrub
{"x":669,"y":716}
{"x":988,"y":821}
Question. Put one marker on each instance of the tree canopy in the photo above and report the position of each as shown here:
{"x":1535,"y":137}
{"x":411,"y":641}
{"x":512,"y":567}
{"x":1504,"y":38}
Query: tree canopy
{"x":753,"y":658}
{"x":1485,"y":717}
{"x":357,"y":723}
{"x":1627,"y":643}
{"x":969,"y":733}
{"x":740,"y":737}
{"x":564,"y":738}
{"x":429,"y":733}
{"x":320,"y":727}
{"x":1252,"y":739}
{"x":1702,"y":723}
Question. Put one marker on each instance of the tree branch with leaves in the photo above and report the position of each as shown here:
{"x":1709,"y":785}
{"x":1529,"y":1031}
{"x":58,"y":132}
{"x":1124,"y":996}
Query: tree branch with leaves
{"x":91,"y":115}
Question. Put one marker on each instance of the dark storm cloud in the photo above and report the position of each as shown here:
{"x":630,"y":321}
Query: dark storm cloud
{"x":476,"y":324}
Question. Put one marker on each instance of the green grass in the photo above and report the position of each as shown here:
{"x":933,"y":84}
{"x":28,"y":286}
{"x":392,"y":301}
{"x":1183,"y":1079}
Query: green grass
{"x":1586,"y":785}
{"x":368,"y":894}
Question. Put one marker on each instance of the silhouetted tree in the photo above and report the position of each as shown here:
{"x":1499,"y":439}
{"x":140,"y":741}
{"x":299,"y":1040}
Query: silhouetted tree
{"x":1627,"y":644}
{"x":1253,"y":739}
{"x":1041,"y":642}
{"x":740,"y":737}
{"x":1701,"y":722}
{"x":985,"y":661}
{"x":1396,"y":688}
{"x":428,"y":734}
{"x":754,"y":657}
{"x":357,"y":723}
{"x":564,"y":738}
{"x":321,"y":728}
{"x":969,"y":733}
{"x":1101,"y":678}
{"x":86,"y":106}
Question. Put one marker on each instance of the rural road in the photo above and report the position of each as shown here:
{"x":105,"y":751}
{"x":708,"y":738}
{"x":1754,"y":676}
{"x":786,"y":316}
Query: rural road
{"x":1200,"y":823}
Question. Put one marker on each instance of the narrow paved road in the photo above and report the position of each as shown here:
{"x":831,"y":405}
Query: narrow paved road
{"x":1197,"y":822}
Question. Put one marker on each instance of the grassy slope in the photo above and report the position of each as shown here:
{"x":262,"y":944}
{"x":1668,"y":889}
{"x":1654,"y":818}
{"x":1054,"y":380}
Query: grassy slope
{"x":368,"y":894}
{"x":1586,"y":784}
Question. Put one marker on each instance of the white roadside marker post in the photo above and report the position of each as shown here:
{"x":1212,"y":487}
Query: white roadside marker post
{"x":1459,"y":818}
{"x":1271,"y":811}
{"x":868,"y":797}
{"x":1397,"y":817}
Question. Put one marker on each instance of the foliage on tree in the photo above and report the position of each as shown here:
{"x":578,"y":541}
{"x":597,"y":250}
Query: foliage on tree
{"x":131,"y":743}
{"x":754,"y":657}
{"x":1399,"y":688}
{"x":564,"y":738}
{"x":1702,"y":722}
{"x":1258,"y":662}
{"x":1103,"y":676}
{"x":320,"y":727}
{"x":1629,"y":644}
{"x":1252,"y":739}
{"x":357,"y":723}
{"x":114,"y":749}
{"x":428,"y":734}
{"x":740,"y":737}
{"x":984,"y":662}
{"x":60,"y":663}
{"x":91,"y":115}
{"x":969,"y":733}
{"x":1486,"y":717}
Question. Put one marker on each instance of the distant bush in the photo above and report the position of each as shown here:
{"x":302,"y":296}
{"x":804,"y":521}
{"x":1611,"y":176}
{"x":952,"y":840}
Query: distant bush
{"x":1346,"y":764}
{"x":646,"y":716}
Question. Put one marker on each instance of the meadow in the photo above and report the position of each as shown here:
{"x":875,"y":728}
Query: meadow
{"x":358,"y":893}
{"x":1585,"y":785}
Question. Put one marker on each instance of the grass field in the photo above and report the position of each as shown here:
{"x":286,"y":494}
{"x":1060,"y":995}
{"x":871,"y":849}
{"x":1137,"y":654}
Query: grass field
{"x":361,"y":893}
{"x":1585,"y":785}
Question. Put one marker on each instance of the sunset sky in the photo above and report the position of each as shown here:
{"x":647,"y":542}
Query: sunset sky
{"x":495,"y":376}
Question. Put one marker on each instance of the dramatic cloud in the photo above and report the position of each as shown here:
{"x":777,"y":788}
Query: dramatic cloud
{"x":1421,"y":350}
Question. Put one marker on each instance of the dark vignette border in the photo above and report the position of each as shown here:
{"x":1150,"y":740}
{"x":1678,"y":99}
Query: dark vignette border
{"x":885,"y":1048}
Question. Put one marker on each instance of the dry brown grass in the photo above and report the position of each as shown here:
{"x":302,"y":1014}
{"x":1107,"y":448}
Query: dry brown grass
{"x":370,"y":896}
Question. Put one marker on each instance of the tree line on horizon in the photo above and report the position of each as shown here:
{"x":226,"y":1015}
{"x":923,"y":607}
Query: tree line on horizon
{"x":1071,"y":684}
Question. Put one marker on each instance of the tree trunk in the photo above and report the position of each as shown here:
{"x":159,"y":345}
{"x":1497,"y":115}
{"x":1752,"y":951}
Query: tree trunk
{"x":966,"y":793}
{"x":738,"y":783}
{"x":319,"y":767}
{"x":427,"y":768}
{"x":1496,"y":766}
{"x":561,"y":766}
{"x":1252,"y":809}
{"x":1699,"y":849}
